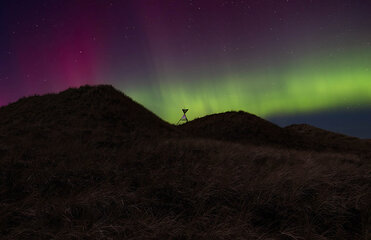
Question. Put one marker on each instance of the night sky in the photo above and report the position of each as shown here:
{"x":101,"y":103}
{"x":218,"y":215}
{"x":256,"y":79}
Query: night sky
{"x":289,"y":61}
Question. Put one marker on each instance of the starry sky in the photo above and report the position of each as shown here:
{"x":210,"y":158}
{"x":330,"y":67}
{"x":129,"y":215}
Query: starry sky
{"x":289,"y":61}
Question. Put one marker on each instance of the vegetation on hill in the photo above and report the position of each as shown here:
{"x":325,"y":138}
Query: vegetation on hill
{"x":90,"y":163}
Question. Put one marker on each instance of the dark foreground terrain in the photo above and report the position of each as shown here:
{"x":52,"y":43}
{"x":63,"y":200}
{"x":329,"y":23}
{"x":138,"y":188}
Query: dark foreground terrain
{"x":90,"y":163}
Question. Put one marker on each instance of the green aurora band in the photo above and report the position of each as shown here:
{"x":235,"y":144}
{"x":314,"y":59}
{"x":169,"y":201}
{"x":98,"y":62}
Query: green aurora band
{"x":317,"y":83}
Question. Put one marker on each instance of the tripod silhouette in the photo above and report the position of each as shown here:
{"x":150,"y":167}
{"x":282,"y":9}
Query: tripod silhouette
{"x":184,"y":117}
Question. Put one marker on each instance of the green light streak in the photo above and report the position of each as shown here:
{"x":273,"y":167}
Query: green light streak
{"x":314,"y":84}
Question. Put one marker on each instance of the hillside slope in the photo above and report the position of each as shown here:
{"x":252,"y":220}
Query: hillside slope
{"x":238,"y":127}
{"x":97,"y":116}
{"x":330,"y":140}
{"x":82,"y":108}
{"x":244,"y":127}
{"x":90,"y":163}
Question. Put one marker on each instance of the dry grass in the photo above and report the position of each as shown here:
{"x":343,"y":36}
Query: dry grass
{"x":115,"y":183}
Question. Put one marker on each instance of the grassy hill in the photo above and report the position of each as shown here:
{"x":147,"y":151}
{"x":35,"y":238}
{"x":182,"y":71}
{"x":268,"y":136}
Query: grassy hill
{"x":242,"y":127}
{"x":90,"y":163}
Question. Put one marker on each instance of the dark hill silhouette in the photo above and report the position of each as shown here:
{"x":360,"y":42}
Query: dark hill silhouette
{"x":244,"y":127}
{"x":330,"y":140}
{"x":90,"y":163}
{"x":94,"y":113}
{"x":81,"y":108}
{"x":311,"y":131}
{"x":237,"y":127}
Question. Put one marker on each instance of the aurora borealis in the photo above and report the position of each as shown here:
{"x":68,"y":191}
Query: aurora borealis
{"x":271,"y":58}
